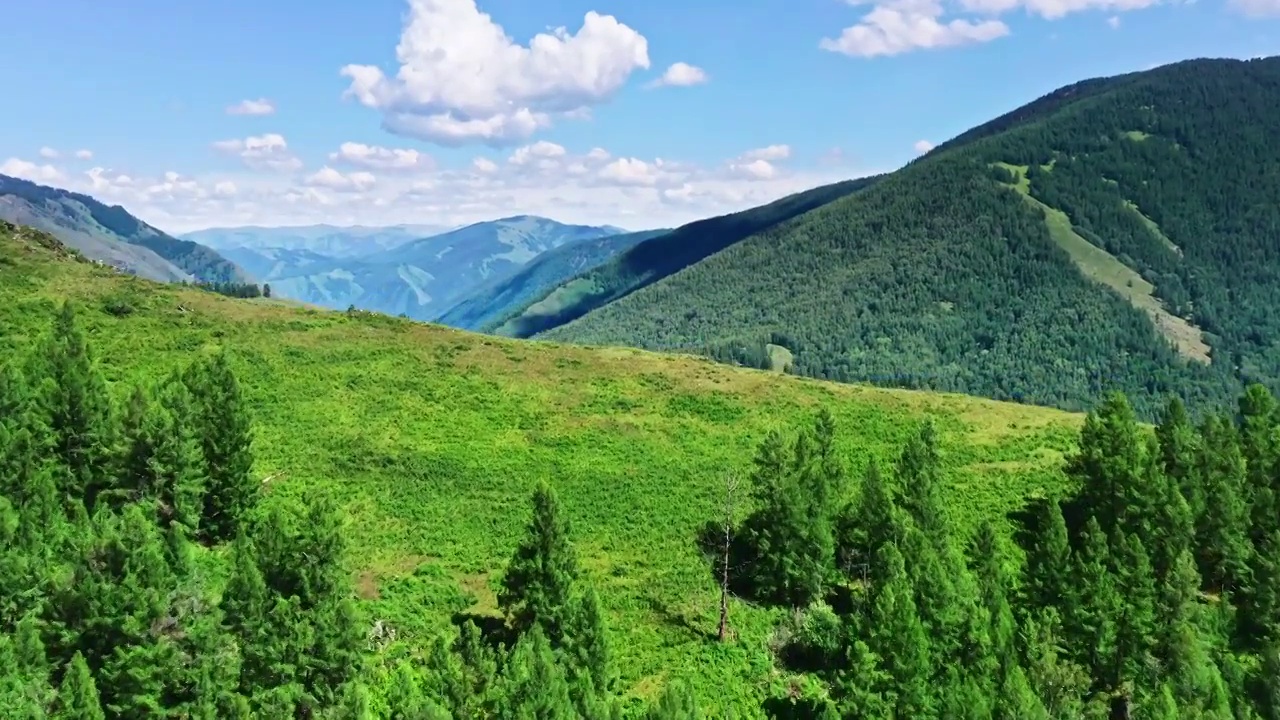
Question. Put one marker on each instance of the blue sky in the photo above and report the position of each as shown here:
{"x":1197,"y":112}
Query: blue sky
{"x":770,"y":99}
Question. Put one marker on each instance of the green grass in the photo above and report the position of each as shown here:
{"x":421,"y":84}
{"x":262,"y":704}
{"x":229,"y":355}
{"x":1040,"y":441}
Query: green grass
{"x":433,"y":439}
{"x":1103,"y":267}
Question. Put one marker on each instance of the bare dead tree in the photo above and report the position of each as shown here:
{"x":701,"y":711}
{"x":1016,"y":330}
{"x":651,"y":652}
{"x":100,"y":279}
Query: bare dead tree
{"x":730,"y":501}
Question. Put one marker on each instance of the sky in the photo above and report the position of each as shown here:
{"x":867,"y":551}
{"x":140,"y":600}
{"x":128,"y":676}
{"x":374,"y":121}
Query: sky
{"x":641,"y":114}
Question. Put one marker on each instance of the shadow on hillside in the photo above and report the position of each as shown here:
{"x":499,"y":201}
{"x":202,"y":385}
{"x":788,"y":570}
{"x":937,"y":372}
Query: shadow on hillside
{"x":678,"y":619}
{"x":493,"y":629}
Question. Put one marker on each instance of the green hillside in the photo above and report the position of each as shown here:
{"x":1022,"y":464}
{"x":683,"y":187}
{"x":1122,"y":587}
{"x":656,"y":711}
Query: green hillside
{"x":493,"y":303}
{"x":213,"y":507}
{"x":657,"y":258}
{"x":1119,"y":233}
{"x":431,"y":440}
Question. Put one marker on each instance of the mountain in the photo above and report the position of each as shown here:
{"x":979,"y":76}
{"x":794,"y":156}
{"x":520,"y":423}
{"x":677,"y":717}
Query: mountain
{"x":431,"y":440}
{"x":654,"y":259}
{"x":111,"y":235}
{"x":329,"y":240}
{"x":492,"y":303}
{"x":424,"y":277}
{"x":268,"y":263}
{"x":1116,"y":233}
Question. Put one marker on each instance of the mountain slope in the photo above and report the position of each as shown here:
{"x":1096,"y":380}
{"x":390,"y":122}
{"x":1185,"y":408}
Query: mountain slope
{"x":329,"y":240}
{"x":1119,"y":233}
{"x":424,"y":277}
{"x":111,"y":235}
{"x":659,"y":257}
{"x":491,"y":304}
{"x":268,"y":264}
{"x":432,"y":439}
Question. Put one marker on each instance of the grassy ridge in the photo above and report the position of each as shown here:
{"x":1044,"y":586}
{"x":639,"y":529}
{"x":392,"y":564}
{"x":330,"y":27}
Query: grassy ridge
{"x":433,"y":438}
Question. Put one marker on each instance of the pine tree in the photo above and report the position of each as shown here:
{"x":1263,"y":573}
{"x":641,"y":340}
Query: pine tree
{"x":79,"y":412}
{"x":1258,"y":446}
{"x":1049,"y":561}
{"x":587,"y":650}
{"x":1179,"y":447}
{"x":899,"y":639}
{"x":231,"y":492}
{"x":1109,"y":468}
{"x":1136,"y":623}
{"x":1222,"y":535}
{"x":1092,"y":625}
{"x":78,"y":694}
{"x":1059,"y":683}
{"x":538,"y":586}
{"x":533,"y":685}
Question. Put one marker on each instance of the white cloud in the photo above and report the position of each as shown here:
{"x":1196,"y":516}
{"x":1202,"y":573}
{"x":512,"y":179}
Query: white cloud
{"x":463,"y":80}
{"x":16,"y":167}
{"x":1113,"y":22}
{"x":49,"y":153}
{"x":923,"y":146}
{"x":589,"y":186}
{"x":773,"y":152}
{"x":84,"y":154}
{"x":893,"y":27}
{"x":899,"y":26}
{"x":327,"y":177}
{"x":374,"y":157}
{"x":261,"y":106}
{"x":261,"y":152}
{"x":681,"y":75}
{"x":1257,"y":8}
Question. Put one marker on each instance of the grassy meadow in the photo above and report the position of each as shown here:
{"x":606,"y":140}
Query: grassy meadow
{"x":434,"y":438}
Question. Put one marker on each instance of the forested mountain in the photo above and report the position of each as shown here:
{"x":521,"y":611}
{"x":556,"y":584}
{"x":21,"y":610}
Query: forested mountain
{"x":271,"y":264}
{"x":654,"y":259}
{"x":491,"y":304}
{"x":424,"y":277}
{"x":111,"y":235}
{"x":495,"y":529}
{"x":1119,"y":233}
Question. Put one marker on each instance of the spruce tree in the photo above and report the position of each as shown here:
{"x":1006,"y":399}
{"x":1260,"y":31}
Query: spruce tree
{"x":231,"y":492}
{"x":78,"y":694}
{"x":532,"y":684}
{"x":1109,"y":468}
{"x":79,"y":412}
{"x":538,"y":586}
{"x":1096,"y":606}
{"x":1049,"y":561}
{"x":899,"y":639}
{"x":1222,"y":537}
{"x":1179,"y":447}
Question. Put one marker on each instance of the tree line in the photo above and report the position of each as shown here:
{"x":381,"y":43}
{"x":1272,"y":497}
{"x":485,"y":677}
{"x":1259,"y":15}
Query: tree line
{"x":234,"y":289}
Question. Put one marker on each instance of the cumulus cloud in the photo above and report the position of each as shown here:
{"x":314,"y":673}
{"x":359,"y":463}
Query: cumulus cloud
{"x":84,"y":154}
{"x":463,"y":80}
{"x":327,"y":177}
{"x":49,"y":153}
{"x":681,"y":75}
{"x":923,"y":146}
{"x":373,"y":157}
{"x":261,"y":106}
{"x":893,"y":27}
{"x":588,"y":185}
{"x":19,"y":168}
{"x":261,"y":152}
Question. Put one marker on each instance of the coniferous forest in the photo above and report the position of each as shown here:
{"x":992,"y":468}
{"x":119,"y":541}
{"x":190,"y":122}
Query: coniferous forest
{"x":146,"y":572}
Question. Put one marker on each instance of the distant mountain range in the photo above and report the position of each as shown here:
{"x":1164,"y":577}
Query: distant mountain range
{"x":329,"y":240}
{"x":109,"y":234}
{"x":379,"y":270}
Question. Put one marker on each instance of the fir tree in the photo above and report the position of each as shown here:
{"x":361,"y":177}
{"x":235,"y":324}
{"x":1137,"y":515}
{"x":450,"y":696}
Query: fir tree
{"x":1222,"y":530}
{"x":899,"y":639}
{"x":538,"y":586}
{"x":79,"y":412}
{"x":225,"y":430}
{"x":78,"y":693}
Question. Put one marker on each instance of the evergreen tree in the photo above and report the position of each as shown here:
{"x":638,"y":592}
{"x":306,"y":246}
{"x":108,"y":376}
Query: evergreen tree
{"x":1093,"y":620}
{"x":538,"y":586}
{"x":899,"y":639}
{"x":78,"y":694}
{"x":677,"y":702}
{"x":1222,"y":535}
{"x":1109,"y":469}
{"x":533,"y":685}
{"x":1049,"y":562}
{"x":79,"y":412}
{"x":1179,"y":447}
{"x":224,"y":427}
